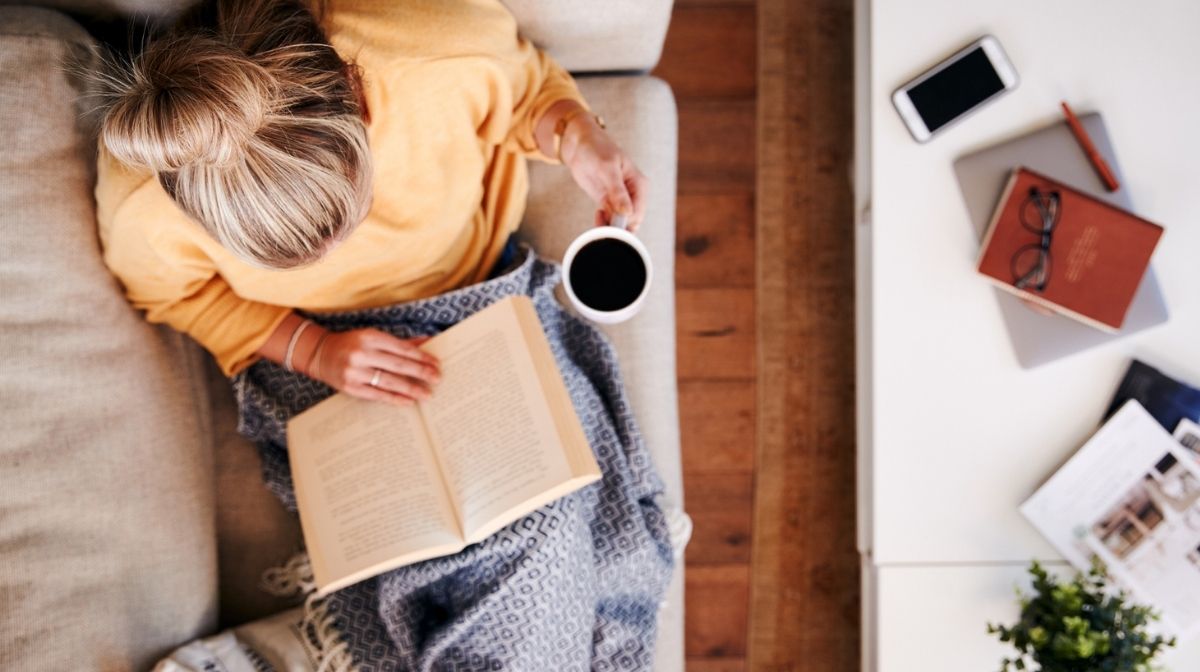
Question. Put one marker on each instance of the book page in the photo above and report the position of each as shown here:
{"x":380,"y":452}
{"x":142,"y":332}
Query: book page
{"x":368,"y":488}
{"x":492,"y":429}
{"x":570,"y":432}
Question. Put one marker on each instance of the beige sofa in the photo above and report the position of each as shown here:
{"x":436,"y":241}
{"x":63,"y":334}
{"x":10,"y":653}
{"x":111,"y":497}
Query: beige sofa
{"x":132,"y":517}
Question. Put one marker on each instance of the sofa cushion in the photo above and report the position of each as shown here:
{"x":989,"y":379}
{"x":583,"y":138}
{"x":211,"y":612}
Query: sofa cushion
{"x":641,"y":116}
{"x":254,"y":531}
{"x":596,"y":36}
{"x":107,"y":539}
{"x":582,"y":36}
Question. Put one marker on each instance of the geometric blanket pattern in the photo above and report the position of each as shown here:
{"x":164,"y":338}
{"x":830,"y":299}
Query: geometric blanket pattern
{"x":575,"y":585}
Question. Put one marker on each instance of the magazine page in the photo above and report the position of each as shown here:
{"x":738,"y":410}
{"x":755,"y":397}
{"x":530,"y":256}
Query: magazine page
{"x":1131,"y":497}
{"x":1187,"y":433}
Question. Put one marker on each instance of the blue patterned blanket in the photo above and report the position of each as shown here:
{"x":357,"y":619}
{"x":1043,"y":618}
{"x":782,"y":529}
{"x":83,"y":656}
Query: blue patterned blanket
{"x":575,"y":585}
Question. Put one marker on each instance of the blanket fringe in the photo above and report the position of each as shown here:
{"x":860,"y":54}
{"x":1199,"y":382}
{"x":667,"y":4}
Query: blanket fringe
{"x":679,"y":526}
{"x":679,"y":531}
{"x":296,"y":576}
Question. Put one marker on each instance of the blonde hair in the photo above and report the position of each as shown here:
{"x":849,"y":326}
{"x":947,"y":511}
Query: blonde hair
{"x":253,"y":124}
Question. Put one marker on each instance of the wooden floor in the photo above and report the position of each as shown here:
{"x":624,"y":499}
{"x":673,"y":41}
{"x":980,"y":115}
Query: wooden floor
{"x":766,"y":398}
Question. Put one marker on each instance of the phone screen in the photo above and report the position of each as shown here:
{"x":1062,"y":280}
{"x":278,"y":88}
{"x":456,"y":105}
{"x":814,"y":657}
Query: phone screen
{"x":957,"y":88}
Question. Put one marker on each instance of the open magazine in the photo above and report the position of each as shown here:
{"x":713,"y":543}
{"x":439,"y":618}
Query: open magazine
{"x":1131,"y":497}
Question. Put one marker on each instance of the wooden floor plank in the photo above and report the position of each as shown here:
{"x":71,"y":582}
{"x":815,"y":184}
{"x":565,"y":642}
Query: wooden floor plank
{"x":805,"y":591}
{"x":710,"y":52}
{"x":722,"y":509}
{"x":716,"y":611}
{"x":701,"y":3}
{"x":715,"y":239}
{"x":717,"y":426}
{"x":716,"y":145}
{"x":710,"y":63}
{"x":715,"y":333}
{"x":716,"y":664}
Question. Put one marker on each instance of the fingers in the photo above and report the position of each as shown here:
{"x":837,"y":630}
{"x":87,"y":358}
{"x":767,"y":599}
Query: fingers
{"x":376,"y":394}
{"x":610,"y":178}
{"x":627,"y":195}
{"x":380,"y":340}
{"x":405,"y":372}
{"x":402,"y":386}
{"x":401,"y":365}
{"x":636,"y":185}
{"x":619,"y":201}
{"x":616,"y":201}
{"x":382,"y":385}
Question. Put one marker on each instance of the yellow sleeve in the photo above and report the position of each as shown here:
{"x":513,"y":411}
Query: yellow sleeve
{"x":196,"y":301}
{"x":228,"y":326}
{"x":173,"y":280}
{"x":540,"y":83}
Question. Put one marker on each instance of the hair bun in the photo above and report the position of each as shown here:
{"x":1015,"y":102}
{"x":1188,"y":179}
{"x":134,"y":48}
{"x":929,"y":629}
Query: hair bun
{"x":188,"y":100}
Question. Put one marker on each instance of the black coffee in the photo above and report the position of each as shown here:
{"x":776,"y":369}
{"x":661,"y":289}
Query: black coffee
{"x":607,"y":274}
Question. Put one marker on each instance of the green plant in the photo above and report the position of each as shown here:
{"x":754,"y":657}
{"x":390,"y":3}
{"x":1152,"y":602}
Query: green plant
{"x":1081,"y":625}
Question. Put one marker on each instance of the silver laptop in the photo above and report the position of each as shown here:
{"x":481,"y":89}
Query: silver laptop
{"x":1036,"y":338}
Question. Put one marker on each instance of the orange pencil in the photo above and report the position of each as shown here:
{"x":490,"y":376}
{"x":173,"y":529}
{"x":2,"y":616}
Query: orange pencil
{"x":1110,"y":181}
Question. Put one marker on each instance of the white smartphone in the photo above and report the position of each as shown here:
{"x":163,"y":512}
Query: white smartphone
{"x":955,"y":87}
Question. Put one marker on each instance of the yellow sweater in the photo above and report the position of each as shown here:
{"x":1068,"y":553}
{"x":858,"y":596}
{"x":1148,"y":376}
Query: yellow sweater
{"x":453,"y":95}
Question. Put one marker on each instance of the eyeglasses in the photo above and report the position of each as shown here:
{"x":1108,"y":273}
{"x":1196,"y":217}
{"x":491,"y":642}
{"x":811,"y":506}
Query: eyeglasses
{"x":1031,"y":264}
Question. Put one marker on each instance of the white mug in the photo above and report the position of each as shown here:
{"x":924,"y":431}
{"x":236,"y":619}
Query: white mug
{"x":618,"y":231}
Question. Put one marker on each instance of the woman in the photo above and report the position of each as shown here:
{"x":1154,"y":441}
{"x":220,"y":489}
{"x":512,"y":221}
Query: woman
{"x":291,"y":178}
{"x":290,"y":187}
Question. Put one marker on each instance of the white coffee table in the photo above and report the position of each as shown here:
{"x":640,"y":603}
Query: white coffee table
{"x":953,"y":434}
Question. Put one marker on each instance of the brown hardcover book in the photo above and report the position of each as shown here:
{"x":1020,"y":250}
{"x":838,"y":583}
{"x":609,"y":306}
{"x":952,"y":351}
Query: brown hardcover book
{"x":1061,"y":248}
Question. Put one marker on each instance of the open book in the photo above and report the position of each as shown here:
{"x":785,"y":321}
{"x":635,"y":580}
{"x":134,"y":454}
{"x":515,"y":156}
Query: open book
{"x":380,"y":486}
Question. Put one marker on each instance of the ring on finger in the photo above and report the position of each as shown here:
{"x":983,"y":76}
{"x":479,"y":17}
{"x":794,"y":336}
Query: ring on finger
{"x":375,"y":378}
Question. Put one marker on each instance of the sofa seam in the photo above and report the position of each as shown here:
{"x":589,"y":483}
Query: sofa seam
{"x":51,"y":36}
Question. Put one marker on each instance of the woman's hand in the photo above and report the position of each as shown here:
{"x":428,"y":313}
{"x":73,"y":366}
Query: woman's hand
{"x":604,"y":172}
{"x":350,"y":360}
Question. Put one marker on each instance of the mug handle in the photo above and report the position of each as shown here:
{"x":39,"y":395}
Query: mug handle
{"x":620,"y":221}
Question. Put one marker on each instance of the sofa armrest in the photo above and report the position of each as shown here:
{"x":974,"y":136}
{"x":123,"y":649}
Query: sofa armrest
{"x":614,"y":35}
{"x":642,"y":118}
{"x":583,"y":36}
